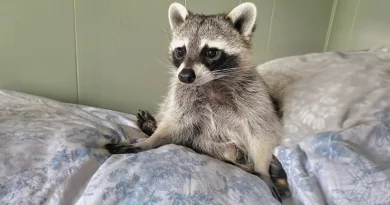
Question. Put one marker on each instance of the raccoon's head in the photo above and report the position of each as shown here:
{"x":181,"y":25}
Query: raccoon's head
{"x":209,"y":47}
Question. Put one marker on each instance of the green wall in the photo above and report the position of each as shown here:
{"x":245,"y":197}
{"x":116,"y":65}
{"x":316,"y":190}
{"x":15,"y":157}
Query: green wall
{"x":359,"y":24}
{"x":37,"y":49}
{"x":110,"y":54}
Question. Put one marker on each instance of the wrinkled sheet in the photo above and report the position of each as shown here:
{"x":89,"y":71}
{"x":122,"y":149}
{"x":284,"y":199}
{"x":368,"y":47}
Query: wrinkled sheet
{"x":336,"y":113}
{"x":336,"y":151}
{"x":351,"y":166}
{"x":49,"y":154}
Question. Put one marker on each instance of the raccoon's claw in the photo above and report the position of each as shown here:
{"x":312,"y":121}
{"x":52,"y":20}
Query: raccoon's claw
{"x":276,"y":194}
{"x":122,"y":149}
{"x":146,"y":122}
{"x":271,"y":186}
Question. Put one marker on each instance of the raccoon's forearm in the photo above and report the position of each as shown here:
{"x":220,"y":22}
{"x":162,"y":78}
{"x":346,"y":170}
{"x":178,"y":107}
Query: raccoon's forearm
{"x":263,"y":137}
{"x":162,"y":136}
{"x":261,"y":149}
{"x":261,"y":152}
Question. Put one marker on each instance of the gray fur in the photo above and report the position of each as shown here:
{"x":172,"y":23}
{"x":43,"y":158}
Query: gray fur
{"x":221,"y":109}
{"x":233,"y":107}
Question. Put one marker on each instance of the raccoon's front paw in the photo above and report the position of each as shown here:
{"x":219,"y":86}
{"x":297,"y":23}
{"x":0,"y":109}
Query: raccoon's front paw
{"x":146,"y":122}
{"x":279,"y":177}
{"x":122,"y":149}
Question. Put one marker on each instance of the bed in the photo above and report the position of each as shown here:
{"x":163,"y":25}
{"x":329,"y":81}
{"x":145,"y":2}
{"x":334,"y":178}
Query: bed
{"x":336,"y":148}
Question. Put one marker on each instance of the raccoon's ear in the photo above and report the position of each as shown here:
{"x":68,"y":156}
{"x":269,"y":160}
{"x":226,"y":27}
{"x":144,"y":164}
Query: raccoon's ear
{"x":177,"y":14}
{"x":243,"y":18}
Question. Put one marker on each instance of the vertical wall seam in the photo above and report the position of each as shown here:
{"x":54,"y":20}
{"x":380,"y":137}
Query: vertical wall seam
{"x":352,"y":26}
{"x":329,"y":32}
{"x":269,"y":31}
{"x":185,"y":3}
{"x":76,"y":52}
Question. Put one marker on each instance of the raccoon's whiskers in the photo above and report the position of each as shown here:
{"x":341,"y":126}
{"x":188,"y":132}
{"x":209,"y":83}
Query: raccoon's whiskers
{"x":170,"y":68}
{"x":204,"y":79}
{"x":230,"y":70}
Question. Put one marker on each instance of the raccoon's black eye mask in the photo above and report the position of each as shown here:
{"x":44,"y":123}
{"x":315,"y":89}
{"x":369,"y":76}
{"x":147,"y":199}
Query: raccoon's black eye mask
{"x":180,"y":52}
{"x":213,"y":58}
{"x":216,"y":59}
{"x":213,"y":54}
{"x":178,"y":55}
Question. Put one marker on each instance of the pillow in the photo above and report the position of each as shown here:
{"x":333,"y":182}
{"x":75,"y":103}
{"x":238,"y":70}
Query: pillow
{"x":329,"y":91}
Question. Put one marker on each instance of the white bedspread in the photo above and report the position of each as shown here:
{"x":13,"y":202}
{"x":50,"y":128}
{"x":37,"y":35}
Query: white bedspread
{"x":49,"y":150}
{"x":44,"y":160}
{"x":336,"y":113}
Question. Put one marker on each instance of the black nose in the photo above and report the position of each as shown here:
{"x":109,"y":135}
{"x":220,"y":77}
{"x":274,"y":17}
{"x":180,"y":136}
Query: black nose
{"x":187,"y":75}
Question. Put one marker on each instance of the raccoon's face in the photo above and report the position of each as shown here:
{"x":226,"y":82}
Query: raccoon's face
{"x":209,"y":47}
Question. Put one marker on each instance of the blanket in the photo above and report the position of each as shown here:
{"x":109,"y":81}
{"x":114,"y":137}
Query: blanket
{"x":50,"y":154}
{"x":336,"y":147}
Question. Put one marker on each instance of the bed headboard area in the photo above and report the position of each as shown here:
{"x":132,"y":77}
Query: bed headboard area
{"x":112,"y":54}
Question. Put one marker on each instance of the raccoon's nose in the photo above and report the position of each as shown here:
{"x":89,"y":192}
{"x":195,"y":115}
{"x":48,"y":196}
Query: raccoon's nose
{"x":187,"y":75}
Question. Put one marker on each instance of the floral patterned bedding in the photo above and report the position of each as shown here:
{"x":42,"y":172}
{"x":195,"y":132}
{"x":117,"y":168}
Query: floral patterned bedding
{"x":336,"y":114}
{"x":49,"y":154}
{"x":50,"y":151}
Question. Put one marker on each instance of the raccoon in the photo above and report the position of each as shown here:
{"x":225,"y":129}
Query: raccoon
{"x":217,"y":103}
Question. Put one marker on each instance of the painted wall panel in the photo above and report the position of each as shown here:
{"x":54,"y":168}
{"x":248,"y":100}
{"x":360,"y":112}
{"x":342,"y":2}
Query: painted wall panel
{"x":37,"y":48}
{"x":342,"y":25}
{"x":372,"y":25}
{"x":298,"y":27}
{"x":211,"y":6}
{"x":360,"y":24}
{"x":120,"y":44}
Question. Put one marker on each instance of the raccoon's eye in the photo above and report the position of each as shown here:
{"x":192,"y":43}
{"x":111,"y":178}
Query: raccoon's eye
{"x":213,"y":54}
{"x":180,"y":52}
